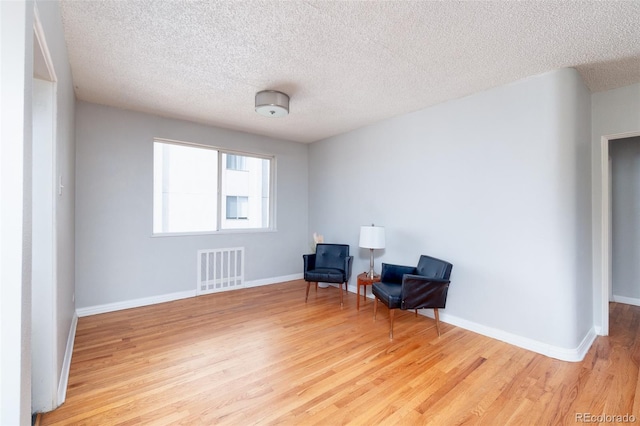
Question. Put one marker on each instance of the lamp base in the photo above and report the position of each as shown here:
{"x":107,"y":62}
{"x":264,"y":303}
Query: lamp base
{"x":371,"y":273}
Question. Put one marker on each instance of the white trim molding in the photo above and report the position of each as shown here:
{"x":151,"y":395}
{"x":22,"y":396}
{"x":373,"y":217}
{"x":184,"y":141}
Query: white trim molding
{"x":40,"y":38}
{"x":162,"y":298}
{"x":564,"y":354}
{"x":626,"y":300}
{"x":66,"y":363}
{"x":135,"y":303}
{"x":274,"y":280}
{"x":603,"y":282}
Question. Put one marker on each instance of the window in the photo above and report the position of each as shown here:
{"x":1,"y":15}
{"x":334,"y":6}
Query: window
{"x":236,"y":162}
{"x":237,"y":207}
{"x":203,"y":189}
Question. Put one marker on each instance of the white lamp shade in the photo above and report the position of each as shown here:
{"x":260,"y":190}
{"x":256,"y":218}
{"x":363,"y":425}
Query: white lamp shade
{"x":372,"y":237}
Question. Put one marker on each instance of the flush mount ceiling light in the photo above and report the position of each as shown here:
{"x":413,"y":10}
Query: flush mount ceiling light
{"x":272,"y":103}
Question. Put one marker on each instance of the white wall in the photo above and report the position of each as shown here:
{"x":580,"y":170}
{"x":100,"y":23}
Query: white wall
{"x":16,"y":226}
{"x":625,"y":198}
{"x":496,"y":183}
{"x":16,"y":69}
{"x":54,"y":323}
{"x":613,"y":112}
{"x":117,"y":259}
{"x":43,"y":255}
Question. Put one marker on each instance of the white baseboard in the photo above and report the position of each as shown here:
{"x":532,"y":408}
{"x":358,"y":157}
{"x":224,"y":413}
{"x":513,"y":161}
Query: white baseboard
{"x":626,"y":300}
{"x":145,"y":301}
{"x":563,"y":354}
{"x":66,"y":363}
{"x":274,"y":280}
{"x":135,"y":303}
{"x":573,"y":355}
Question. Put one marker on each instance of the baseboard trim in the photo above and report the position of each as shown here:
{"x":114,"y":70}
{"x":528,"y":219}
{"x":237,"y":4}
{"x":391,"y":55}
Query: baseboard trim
{"x":135,"y":303}
{"x":626,"y":300}
{"x":66,"y":363}
{"x":146,"y":301}
{"x":274,"y":280}
{"x":564,"y":354}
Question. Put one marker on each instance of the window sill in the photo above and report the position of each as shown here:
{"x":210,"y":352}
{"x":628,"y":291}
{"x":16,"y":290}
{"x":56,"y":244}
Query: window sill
{"x":202,"y":233}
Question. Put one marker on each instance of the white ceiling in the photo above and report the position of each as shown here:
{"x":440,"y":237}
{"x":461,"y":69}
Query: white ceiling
{"x":345,"y":64}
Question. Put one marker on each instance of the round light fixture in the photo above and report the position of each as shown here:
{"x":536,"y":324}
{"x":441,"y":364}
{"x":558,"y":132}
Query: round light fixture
{"x":272,"y":103}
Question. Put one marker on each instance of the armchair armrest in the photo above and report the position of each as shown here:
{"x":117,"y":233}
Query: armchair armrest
{"x":423,"y":292}
{"x":347,"y":267}
{"x":309,"y":262}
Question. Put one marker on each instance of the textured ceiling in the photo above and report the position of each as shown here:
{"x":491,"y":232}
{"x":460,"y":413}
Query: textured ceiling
{"x":344,"y":64}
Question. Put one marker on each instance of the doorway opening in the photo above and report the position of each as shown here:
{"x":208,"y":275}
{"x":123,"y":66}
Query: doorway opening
{"x":606,"y":236}
{"x":625,"y":220}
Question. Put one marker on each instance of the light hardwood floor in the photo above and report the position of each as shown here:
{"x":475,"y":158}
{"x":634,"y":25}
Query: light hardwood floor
{"x":263,"y":356}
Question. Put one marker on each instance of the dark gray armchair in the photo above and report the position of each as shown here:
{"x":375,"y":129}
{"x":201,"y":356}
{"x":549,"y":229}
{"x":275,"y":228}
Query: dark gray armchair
{"x":331,"y":263}
{"x":408,"y":287}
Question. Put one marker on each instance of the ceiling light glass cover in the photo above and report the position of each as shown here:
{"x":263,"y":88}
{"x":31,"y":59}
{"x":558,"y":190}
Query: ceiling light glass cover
{"x":272,"y":103}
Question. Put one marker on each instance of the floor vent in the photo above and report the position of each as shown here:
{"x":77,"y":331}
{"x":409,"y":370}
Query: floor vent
{"x":220,"y":270}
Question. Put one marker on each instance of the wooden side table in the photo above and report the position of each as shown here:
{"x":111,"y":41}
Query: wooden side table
{"x":364,"y":280}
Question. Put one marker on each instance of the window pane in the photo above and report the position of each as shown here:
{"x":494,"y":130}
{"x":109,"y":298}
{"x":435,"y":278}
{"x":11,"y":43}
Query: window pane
{"x":243,"y":207}
{"x":232,"y":207}
{"x":185,"y":184}
{"x":236,"y":162}
{"x":237,"y":207}
{"x":247,"y":189}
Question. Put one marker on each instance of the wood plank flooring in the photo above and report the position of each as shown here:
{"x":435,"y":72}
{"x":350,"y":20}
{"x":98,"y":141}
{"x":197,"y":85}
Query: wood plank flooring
{"x":263,"y":356}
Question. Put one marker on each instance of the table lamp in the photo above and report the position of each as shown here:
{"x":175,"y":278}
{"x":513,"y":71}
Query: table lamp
{"x":372,"y":237}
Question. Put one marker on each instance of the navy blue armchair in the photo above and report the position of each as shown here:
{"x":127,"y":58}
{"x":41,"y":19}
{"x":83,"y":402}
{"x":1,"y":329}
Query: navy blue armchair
{"x":331,"y":263}
{"x":408,"y":287}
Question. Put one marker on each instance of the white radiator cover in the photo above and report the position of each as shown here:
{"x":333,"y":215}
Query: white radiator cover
{"x":220,"y":270}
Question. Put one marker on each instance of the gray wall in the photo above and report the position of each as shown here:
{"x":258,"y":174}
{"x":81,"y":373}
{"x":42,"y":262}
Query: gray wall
{"x":117,"y":258}
{"x":613,"y":112}
{"x":496,"y":183}
{"x":625,"y":199}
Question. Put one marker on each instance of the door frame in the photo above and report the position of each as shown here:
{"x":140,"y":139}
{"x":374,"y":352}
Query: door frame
{"x":604,"y":256}
{"x":44,"y":354}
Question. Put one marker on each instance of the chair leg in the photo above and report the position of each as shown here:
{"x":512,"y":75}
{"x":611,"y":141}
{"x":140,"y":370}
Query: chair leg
{"x":416,"y":313}
{"x":391,"y":315}
{"x":375,"y":307}
{"x":307,"y":296}
{"x":341,"y":303}
{"x":435,"y":312}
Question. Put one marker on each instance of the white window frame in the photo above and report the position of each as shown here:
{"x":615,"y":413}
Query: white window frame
{"x":220,"y":211}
